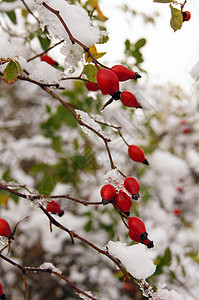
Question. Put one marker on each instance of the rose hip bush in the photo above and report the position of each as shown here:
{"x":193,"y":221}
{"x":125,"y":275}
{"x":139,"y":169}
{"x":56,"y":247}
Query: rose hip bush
{"x":99,"y":171}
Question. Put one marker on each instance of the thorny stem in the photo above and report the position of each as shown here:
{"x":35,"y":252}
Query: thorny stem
{"x":50,"y":271}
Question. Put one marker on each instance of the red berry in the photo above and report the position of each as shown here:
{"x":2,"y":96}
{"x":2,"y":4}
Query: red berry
{"x":137,"y":226}
{"x":4,"y":228}
{"x":177,"y":211}
{"x":186,"y":15}
{"x":132,"y":185}
{"x":180,"y":189}
{"x":48,"y":60}
{"x":107,"y":193}
{"x":135,"y":237}
{"x":129,"y":100}
{"x":123,"y":202}
{"x":54,"y":208}
{"x":91,"y":86}
{"x":137,"y":154}
{"x":124,"y":73}
{"x":186,"y":130}
{"x":2,"y":295}
{"x":108,"y":83}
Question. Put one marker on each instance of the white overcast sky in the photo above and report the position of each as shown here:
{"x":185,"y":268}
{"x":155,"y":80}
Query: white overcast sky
{"x":168,"y":56}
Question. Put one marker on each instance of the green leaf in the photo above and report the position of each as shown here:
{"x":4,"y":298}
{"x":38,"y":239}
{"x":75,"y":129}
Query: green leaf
{"x":8,"y":0}
{"x":88,"y":226}
{"x":18,"y":67}
{"x":140,"y":43}
{"x":11,"y":72}
{"x":12,"y":16}
{"x":90,"y":71}
{"x":176,"y":18}
{"x":163,"y":1}
{"x":45,"y":42}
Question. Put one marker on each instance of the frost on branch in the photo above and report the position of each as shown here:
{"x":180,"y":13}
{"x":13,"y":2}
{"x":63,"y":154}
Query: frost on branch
{"x":78,"y":22}
{"x":90,"y":122}
{"x":134,"y":258}
{"x":50,"y":266}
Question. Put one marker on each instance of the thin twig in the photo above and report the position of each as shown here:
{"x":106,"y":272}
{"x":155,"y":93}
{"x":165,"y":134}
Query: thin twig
{"x":46,"y":270}
{"x":42,"y":53}
{"x":28,"y":9}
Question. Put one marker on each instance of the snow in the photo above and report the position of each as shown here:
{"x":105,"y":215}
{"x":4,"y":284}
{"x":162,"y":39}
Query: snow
{"x":134,"y":258}
{"x":50,"y":266}
{"x":195,"y":71}
{"x":79,"y":24}
{"x":45,"y":73}
{"x":90,"y":121}
{"x":164,"y":294}
{"x":6,"y":50}
{"x":115,"y":178}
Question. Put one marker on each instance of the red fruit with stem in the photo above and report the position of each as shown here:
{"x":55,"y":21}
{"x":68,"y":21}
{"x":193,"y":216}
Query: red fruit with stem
{"x":137,"y":226}
{"x":54,"y":208}
{"x":2,"y":295}
{"x":132,"y":185}
{"x":124,"y":73}
{"x":48,"y":60}
{"x":135,"y":237}
{"x":186,"y":16}
{"x":107,"y":193}
{"x":123,"y":202}
{"x":5,"y":228}
{"x":129,"y":99}
{"x":137,"y":154}
{"x":108,"y":83}
{"x":91,"y":86}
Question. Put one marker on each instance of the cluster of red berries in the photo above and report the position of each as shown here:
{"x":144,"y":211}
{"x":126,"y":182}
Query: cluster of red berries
{"x":122,"y":201}
{"x":108,"y":82}
{"x":2,"y":295}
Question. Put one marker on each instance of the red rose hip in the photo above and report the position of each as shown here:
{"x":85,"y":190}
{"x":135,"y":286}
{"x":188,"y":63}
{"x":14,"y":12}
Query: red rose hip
{"x":135,"y":237}
{"x":124,"y":73}
{"x":48,"y":60}
{"x":129,"y":100}
{"x":132,"y":185}
{"x":137,"y":226}
{"x":4,"y":228}
{"x":107,"y":193}
{"x":137,"y":154}
{"x":54,"y":208}
{"x":186,"y":16}
{"x":2,"y":295}
{"x":108,"y":83}
{"x":123,"y":202}
{"x":91,"y":86}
